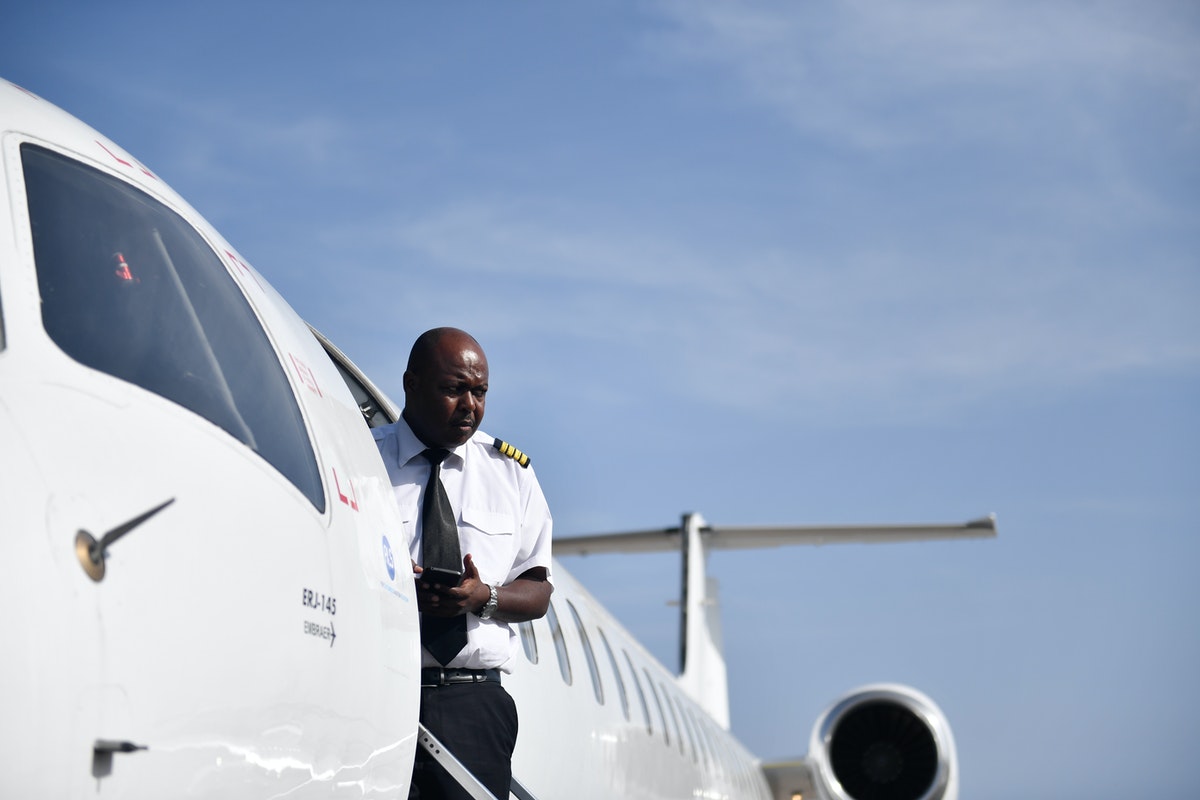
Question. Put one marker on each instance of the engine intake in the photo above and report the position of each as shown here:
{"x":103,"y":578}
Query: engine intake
{"x":884,"y":742}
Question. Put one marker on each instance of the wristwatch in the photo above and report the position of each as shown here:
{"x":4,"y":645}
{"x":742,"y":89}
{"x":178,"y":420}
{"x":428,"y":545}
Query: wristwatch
{"x":489,"y":607}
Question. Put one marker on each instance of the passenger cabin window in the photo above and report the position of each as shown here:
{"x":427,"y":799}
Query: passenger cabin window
{"x":528,"y":641}
{"x":129,"y":288}
{"x":662,"y":714}
{"x":560,"y":643}
{"x":616,"y":670}
{"x":685,"y":724}
{"x":588,"y":654}
{"x":700,"y":725}
{"x":674,"y":719}
{"x":637,"y":684}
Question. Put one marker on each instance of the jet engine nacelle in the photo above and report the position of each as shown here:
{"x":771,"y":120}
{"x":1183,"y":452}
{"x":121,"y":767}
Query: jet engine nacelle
{"x":883,"y":742}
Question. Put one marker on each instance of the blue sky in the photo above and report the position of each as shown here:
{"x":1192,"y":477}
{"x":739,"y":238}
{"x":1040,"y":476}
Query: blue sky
{"x":771,"y":262}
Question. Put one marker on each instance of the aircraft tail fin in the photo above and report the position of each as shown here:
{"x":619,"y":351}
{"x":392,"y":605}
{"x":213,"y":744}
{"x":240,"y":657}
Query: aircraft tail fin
{"x":701,"y":654}
{"x":701,"y":649}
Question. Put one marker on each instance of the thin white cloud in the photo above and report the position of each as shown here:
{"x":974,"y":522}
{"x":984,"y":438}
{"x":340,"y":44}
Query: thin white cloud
{"x":925,"y":335}
{"x":875,"y":75}
{"x":833,"y":321}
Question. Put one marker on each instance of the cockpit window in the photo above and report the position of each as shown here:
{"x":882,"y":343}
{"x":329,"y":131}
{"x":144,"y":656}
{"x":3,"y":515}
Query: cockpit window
{"x":130,"y":288}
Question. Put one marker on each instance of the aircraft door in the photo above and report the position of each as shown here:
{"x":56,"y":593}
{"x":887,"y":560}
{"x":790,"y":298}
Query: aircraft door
{"x":183,"y":506}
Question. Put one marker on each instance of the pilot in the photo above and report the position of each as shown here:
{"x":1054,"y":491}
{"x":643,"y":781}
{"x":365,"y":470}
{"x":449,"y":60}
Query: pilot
{"x":471,"y":504}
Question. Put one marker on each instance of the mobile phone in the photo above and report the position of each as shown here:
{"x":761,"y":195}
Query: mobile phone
{"x":439,"y":576}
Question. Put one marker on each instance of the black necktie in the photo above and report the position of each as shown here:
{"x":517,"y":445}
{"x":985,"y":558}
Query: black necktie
{"x":443,"y":637}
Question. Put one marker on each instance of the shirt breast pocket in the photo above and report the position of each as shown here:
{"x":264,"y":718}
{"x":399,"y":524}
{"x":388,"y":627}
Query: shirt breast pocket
{"x":490,"y":523}
{"x":490,"y":536}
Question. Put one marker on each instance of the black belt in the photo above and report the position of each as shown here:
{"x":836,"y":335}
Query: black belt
{"x":442,"y":676}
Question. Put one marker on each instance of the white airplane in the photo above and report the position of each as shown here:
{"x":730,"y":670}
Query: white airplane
{"x":207,"y":590}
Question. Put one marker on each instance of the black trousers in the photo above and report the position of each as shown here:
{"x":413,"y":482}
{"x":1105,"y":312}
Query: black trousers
{"x":477,"y":722}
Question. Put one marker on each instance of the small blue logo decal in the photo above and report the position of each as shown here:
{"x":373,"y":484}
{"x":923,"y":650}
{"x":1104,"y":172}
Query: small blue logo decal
{"x":388,"y":561}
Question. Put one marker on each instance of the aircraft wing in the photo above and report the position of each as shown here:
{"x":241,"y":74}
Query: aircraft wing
{"x":741,"y":537}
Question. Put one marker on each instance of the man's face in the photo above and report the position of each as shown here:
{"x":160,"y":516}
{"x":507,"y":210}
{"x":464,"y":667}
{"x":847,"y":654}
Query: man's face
{"x":444,"y":399}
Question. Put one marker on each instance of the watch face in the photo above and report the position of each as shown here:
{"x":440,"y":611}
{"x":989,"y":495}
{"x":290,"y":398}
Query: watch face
{"x":490,"y":606}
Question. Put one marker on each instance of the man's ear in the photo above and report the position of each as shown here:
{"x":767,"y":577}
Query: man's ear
{"x":410,"y":381}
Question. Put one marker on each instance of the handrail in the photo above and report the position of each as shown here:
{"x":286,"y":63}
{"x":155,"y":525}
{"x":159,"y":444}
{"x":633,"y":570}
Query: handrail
{"x":460,"y":773}
{"x":519,"y":791}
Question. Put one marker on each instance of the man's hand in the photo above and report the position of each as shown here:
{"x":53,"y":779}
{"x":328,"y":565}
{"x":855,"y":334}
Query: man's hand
{"x":524,"y":599}
{"x":439,"y":600}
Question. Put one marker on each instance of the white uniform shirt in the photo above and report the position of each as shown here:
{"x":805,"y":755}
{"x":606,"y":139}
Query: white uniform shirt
{"x":503,"y":522}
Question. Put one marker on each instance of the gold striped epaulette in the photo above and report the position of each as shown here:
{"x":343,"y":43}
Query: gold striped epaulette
{"x":512,"y":452}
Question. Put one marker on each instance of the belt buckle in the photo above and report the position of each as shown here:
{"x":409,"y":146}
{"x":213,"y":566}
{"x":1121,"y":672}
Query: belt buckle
{"x":452,"y":676}
{"x":438,"y":680}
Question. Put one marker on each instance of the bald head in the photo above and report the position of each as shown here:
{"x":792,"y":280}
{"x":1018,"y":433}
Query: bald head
{"x":445,"y":387}
{"x":424,"y":349}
